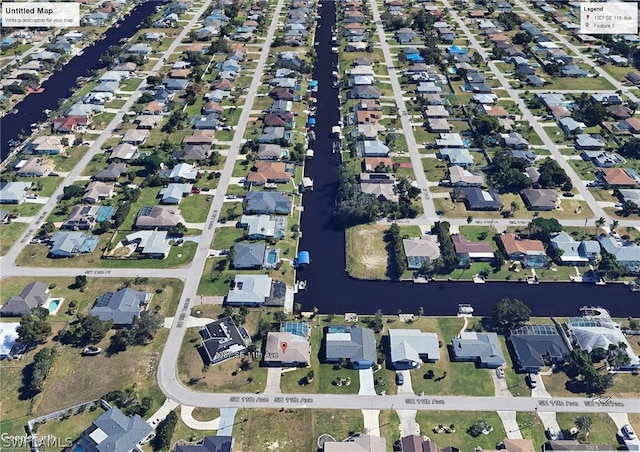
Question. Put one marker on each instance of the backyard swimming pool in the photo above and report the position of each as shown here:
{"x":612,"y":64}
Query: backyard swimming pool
{"x":53,"y":305}
{"x":272,"y":256}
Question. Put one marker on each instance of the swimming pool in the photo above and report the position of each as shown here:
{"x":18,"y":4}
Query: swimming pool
{"x":272,"y":256}
{"x":53,"y":305}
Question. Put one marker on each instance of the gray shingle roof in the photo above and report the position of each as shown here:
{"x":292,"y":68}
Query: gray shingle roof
{"x":353,"y":343}
{"x":114,"y":432}
{"x":121,"y":306}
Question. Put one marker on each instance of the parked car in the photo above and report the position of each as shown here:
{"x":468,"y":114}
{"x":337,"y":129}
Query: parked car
{"x":628,"y":432}
{"x":53,"y":174}
{"x":209,"y":198}
{"x":500,"y":372}
{"x":399,"y":379}
{"x":13,"y":215}
{"x":195,"y":190}
{"x":552,"y":434}
{"x":532,"y":380}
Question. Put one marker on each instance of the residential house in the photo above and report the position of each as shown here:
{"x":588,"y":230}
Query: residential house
{"x":82,"y":218}
{"x":123,"y":151}
{"x":471,"y":251}
{"x":269,"y":172}
{"x":377,"y":164}
{"x":47,"y":144}
{"x":285,"y":120}
{"x":627,"y":254}
{"x":408,"y":348}
{"x":438,"y":125}
{"x":152,"y":217}
{"x":207,"y":122}
{"x":589,"y":142}
{"x":153,"y":108}
{"x":111,"y":173}
{"x":193,"y":152}
{"x":365,"y":92}
{"x":603,"y":159}
{"x":121,"y":306}
{"x":262,"y":227}
{"x":421,"y":251}
{"x":150,"y":244}
{"x":618,"y":177}
{"x":460,"y":177}
{"x":140,"y":49}
{"x":34,"y":294}
{"x":540,"y":198}
{"x":449,"y":140}
{"x":352,"y":343}
{"x":273,"y":135}
{"x":513,"y":140}
{"x":633,"y":77}
{"x":135,"y":136}
{"x":269,"y":152}
{"x":589,"y":333}
{"x":528,"y":251}
{"x":208,"y":444}
{"x":249,"y":290}
{"x":571,"y":126}
{"x":147,"y":122}
{"x":283,"y":93}
{"x":181,"y":172}
{"x":484,"y":349}
{"x":34,"y":167}
{"x":97,"y":191}
{"x":249,"y":255}
{"x":268,"y":202}
{"x":223,"y":340}
{"x":575,"y":253}
{"x":461,"y":157}
{"x":476,"y":198}
{"x":200,"y":137}
{"x":114,"y":431}
{"x":527,"y":155}
{"x":537,"y":346}
{"x":13,"y":192}
{"x":71,"y":243}
{"x":372,"y":148}
{"x":362,"y":443}
{"x":631,"y":124}
{"x":67,"y":124}
{"x":174,"y":192}
{"x":285,"y":349}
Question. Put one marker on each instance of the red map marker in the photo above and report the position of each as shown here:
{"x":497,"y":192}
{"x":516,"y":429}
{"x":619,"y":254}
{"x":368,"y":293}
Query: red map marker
{"x":284,"y":346}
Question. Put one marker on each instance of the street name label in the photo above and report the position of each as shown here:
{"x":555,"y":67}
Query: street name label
{"x":608,"y":18}
{"x":37,"y":14}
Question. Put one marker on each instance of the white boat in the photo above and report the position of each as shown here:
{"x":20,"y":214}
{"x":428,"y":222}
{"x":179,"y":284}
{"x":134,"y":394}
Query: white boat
{"x":477,"y":279}
{"x":465,"y":309}
{"x":635,"y":286}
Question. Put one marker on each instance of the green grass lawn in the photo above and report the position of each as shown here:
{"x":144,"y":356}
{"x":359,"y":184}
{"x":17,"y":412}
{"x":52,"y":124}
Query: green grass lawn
{"x":69,"y":429}
{"x":531,"y":427}
{"x":428,"y":420}
{"x":66,"y":162}
{"x":131,"y":84}
{"x":9,"y":233}
{"x":586,"y":83}
{"x":225,"y":238}
{"x":473,"y":234}
{"x":603,"y":430}
{"x":195,"y":208}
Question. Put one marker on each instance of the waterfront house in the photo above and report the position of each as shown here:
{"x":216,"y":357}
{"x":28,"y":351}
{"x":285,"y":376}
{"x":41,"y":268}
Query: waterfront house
{"x":484,"y":349}
{"x":471,"y":251}
{"x":372,"y":148}
{"x":249,"y":290}
{"x":528,"y":251}
{"x":537,"y":346}
{"x":34,"y":167}
{"x":48,"y":144}
{"x":354,"y":344}
{"x":627,"y":254}
{"x":121,"y":306}
{"x":408,"y":348}
{"x":223,"y":340}
{"x":422,"y":250}
{"x":573,"y":252}
{"x":262,"y":227}
{"x":268,"y":202}
{"x":34,"y":294}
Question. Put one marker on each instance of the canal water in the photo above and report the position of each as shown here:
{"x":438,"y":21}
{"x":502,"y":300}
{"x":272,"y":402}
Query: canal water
{"x":60,"y":83}
{"x":331,"y":290}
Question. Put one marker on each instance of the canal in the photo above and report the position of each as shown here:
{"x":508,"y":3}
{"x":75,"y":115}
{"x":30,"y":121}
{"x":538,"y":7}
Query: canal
{"x":60,"y":84}
{"x":331,"y":290}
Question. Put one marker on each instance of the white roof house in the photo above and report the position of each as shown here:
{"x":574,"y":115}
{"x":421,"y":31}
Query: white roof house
{"x":408,"y":348}
{"x":249,"y":290}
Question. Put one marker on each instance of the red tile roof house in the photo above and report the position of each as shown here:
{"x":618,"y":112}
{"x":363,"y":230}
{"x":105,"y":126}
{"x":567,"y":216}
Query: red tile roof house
{"x":471,"y":251}
{"x":617,"y":177}
{"x":265,"y":172}
{"x":526,"y":251}
{"x":69,"y":124}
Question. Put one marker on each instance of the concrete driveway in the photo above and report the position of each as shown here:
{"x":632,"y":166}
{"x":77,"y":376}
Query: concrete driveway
{"x":366,"y":382}
{"x":407,"y":387}
{"x":273,"y":380}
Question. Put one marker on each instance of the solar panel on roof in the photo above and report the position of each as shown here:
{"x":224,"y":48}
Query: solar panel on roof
{"x":145,"y":210}
{"x":104,"y":300}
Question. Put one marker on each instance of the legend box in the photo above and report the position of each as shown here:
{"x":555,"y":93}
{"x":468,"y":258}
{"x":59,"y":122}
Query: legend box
{"x":608,"y":18}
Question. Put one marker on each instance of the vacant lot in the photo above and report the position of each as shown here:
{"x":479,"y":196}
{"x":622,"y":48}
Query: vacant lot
{"x":461,"y":421}
{"x":366,"y":252}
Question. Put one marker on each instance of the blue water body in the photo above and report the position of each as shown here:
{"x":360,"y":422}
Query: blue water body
{"x":59,"y":85}
{"x":331,"y":290}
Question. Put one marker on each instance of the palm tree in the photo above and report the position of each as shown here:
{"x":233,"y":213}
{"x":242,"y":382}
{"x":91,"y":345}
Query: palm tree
{"x":583,"y":424}
{"x":514,"y":206}
{"x":614,"y":225}
{"x":599,"y":223}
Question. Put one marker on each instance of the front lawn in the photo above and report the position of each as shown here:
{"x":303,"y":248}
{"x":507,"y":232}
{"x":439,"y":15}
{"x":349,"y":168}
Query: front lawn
{"x":603,"y":429}
{"x":9,"y":233}
{"x":195,"y":208}
{"x":224,"y":238}
{"x":461,"y":421}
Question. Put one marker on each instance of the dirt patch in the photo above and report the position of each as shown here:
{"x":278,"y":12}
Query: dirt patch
{"x":366,"y":252}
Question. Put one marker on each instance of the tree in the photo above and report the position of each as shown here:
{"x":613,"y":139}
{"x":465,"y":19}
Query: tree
{"x":469,"y":219}
{"x":146,"y":326}
{"x":600,"y":222}
{"x":477,"y":428}
{"x":485,"y":124}
{"x":631,"y":148}
{"x":598,"y":354}
{"x":72,"y":191}
{"x":583,"y":423}
{"x":618,"y":356}
{"x":510,"y":313}
{"x":164,"y":432}
{"x":34,"y":327}
{"x":178,"y":230}
{"x":614,"y":225}
{"x":87,"y":330}
{"x":542,"y":228}
{"x":80,"y":282}
{"x":46,"y":229}
{"x":42,"y":364}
